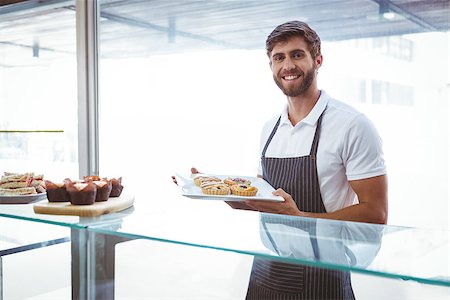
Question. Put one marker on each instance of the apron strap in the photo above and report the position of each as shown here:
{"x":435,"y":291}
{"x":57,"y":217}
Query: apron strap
{"x":315,"y":143}
{"x":270,"y":137}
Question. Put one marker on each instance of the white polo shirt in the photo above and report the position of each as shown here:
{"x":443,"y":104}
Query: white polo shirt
{"x":349,"y":148}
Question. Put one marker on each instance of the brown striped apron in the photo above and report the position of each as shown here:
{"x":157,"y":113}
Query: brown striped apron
{"x":271,"y":279}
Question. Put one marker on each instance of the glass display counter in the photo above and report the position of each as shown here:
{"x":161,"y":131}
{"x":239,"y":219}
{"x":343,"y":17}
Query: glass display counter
{"x":25,"y":249}
{"x":379,"y":251}
{"x":44,"y":233}
{"x":410,"y":254}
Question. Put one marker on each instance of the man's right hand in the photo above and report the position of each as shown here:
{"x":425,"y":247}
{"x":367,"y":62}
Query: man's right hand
{"x":239,"y":205}
{"x":193,"y":171}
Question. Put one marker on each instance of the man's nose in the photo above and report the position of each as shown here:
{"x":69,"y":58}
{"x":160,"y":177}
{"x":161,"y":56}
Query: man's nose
{"x":288,"y":64}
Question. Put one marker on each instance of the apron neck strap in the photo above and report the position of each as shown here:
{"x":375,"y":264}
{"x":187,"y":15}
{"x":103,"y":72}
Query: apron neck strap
{"x":315,"y":143}
{"x":270,"y":137}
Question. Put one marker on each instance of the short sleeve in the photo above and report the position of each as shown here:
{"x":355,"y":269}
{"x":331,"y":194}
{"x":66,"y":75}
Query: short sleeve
{"x":362,"y":152}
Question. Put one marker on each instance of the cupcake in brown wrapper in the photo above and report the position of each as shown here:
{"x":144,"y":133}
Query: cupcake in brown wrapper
{"x":56,"y":192}
{"x":81,"y":193}
{"x":117,"y":187}
{"x":91,"y":178}
{"x":104,"y":188}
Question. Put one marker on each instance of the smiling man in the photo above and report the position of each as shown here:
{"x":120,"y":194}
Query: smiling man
{"x":322,"y":156}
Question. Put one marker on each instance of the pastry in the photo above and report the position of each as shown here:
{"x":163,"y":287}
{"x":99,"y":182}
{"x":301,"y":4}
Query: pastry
{"x":56,"y":192}
{"x":17,"y":192}
{"x":200,"y":179}
{"x":117,"y":187}
{"x":14,"y":184}
{"x":214,"y":188}
{"x":22,"y":183}
{"x":81,"y":193}
{"x":92,"y":178}
{"x":243,"y":190}
{"x":233,"y":181}
{"x":104,"y":188}
{"x":16,"y":177}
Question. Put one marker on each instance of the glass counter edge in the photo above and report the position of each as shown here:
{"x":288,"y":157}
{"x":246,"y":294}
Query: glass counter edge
{"x":438,"y":282}
{"x":44,"y":221}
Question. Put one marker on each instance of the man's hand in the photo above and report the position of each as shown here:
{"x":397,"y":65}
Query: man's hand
{"x":193,"y":171}
{"x":288,"y":207}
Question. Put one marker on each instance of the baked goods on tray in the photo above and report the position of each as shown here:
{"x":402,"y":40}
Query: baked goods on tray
{"x":17,"y":184}
{"x":84,"y":192}
{"x":81,"y":193}
{"x":87,"y":191}
{"x":236,"y":180}
{"x":104,"y":188}
{"x":56,"y":191}
{"x":243,"y":190}
{"x":198,"y":180}
{"x":117,"y":187}
{"x":212,"y":185}
{"x":214,"y":188}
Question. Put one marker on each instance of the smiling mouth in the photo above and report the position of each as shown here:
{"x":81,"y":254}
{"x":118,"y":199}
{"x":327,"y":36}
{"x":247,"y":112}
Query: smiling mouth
{"x":290,"y":77}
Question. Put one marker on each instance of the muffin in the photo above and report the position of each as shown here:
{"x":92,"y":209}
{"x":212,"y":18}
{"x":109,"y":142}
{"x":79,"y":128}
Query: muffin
{"x":56,"y":191}
{"x":243,"y":190}
{"x":117,"y":187}
{"x":92,"y":178}
{"x":104,"y":188}
{"x":81,"y":193}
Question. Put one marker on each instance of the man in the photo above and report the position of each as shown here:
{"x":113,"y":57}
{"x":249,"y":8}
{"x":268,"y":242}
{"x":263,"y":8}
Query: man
{"x":339,"y":145}
{"x":323,"y":157}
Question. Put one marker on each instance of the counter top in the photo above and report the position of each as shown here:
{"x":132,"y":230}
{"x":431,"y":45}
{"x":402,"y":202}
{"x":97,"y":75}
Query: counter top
{"x":389,"y":251}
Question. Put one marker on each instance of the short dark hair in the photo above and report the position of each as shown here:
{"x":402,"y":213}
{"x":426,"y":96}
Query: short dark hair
{"x":285,"y":31}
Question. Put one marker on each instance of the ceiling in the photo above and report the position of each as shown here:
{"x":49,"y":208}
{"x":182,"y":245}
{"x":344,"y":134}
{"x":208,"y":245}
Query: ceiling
{"x":46,"y":29}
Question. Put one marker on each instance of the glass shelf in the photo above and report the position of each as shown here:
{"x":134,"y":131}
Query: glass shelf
{"x":26,"y":212}
{"x":17,"y":236}
{"x":416,"y":254}
{"x":420,"y":255}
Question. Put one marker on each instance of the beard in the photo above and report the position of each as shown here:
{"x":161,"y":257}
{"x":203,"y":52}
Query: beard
{"x":301,"y":88}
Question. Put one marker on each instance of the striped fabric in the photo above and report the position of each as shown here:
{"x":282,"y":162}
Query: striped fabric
{"x":271,"y":279}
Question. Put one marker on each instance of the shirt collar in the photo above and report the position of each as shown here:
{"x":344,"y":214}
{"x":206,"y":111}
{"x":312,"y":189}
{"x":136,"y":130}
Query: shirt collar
{"x":314,"y":114}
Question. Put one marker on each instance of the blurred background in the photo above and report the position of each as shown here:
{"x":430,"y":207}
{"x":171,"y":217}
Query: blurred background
{"x":187,"y":83}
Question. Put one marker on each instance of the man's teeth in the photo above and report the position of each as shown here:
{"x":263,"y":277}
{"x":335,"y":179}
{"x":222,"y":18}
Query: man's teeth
{"x":290,"y":77}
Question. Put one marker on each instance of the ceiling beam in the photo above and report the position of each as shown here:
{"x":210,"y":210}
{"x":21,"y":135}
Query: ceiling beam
{"x":401,"y":11}
{"x":20,"y":6}
{"x":170,"y":30}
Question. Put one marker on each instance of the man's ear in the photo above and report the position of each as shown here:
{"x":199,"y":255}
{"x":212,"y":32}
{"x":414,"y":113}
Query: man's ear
{"x":319,"y":61}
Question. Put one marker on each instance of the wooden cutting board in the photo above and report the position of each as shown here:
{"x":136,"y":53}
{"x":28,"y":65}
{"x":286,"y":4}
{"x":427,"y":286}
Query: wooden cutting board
{"x":114,"y":204}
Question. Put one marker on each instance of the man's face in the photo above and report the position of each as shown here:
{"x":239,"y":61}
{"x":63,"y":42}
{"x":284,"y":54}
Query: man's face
{"x":293,"y":68}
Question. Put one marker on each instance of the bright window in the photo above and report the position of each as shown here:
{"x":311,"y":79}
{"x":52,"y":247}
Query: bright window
{"x":38,"y":97}
{"x":188,"y":84}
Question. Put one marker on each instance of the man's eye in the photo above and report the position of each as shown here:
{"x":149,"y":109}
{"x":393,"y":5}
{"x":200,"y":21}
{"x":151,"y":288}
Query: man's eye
{"x":277,"y":58}
{"x":298,"y":55}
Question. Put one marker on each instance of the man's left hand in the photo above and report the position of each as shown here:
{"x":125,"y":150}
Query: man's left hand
{"x":288,"y":207}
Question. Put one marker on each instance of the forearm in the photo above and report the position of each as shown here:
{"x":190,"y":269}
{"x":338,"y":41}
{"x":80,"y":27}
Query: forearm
{"x":239,"y":205}
{"x":362,"y":212}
